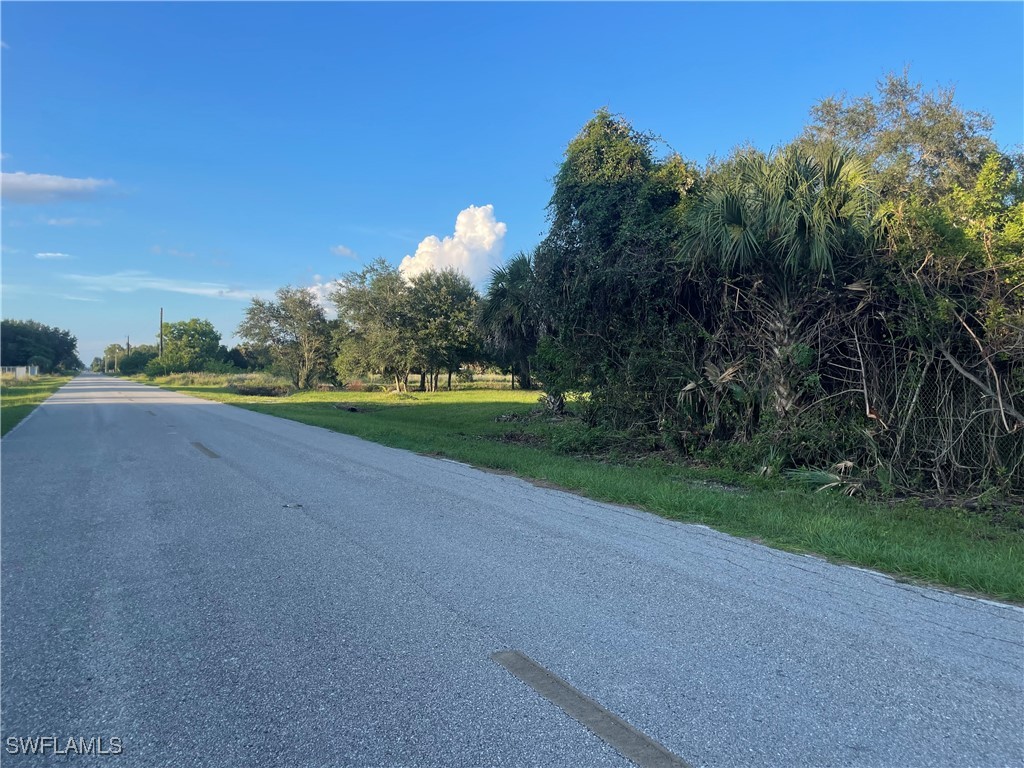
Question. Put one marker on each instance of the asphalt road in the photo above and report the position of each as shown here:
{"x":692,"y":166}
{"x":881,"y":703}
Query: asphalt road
{"x":161,"y":587}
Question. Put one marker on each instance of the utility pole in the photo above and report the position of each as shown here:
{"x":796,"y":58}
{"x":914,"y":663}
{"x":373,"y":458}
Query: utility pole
{"x":161,"y":334}
{"x":127,"y":345}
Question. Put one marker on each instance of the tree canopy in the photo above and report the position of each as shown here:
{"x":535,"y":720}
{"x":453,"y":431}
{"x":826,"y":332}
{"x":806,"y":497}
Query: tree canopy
{"x":295,"y":331}
{"x":26,"y":342}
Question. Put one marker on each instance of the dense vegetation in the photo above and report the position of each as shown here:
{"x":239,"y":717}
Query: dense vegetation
{"x":26,"y":342}
{"x":847,"y":309}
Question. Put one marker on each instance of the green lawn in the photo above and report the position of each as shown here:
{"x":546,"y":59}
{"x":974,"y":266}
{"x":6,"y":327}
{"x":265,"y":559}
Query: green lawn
{"x":495,"y":429}
{"x":19,"y":398}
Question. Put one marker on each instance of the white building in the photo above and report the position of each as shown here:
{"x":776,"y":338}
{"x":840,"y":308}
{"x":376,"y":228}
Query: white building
{"x":19,"y":371}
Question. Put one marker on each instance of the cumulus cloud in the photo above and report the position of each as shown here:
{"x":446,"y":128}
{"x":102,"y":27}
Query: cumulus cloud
{"x":23,"y":187}
{"x":343,"y":250}
{"x":321,"y":291}
{"x":129,"y":281}
{"x":474,"y":249}
{"x":53,"y":255}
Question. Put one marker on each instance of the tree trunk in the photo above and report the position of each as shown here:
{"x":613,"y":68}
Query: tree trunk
{"x":449,"y":379}
{"x":423,"y":381}
{"x":783,"y":337}
{"x":524,"y":373}
{"x":555,"y":404}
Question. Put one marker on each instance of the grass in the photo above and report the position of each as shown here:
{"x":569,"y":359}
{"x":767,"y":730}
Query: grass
{"x":503,"y":430}
{"x":19,"y":397}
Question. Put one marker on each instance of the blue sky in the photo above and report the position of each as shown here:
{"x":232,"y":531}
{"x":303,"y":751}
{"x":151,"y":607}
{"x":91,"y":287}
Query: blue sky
{"x":190,"y":155}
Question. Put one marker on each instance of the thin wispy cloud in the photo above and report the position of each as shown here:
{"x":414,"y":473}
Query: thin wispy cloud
{"x":72,"y":221}
{"x":30,"y":188}
{"x":403,"y":235}
{"x":344,"y":251}
{"x":130,"y":281}
{"x":175,"y":252}
{"x":474,"y":249}
{"x":77,"y":298}
{"x":53,"y":256}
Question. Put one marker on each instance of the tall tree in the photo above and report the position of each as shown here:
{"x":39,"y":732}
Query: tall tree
{"x":375,"y":330}
{"x":189,"y":345}
{"x":606,"y":277}
{"x":919,"y":142}
{"x":442,"y":308}
{"x":295,"y":330}
{"x":785,"y":230}
{"x":508,"y":315}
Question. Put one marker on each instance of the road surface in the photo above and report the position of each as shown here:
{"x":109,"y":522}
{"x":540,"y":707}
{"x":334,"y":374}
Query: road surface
{"x":210,"y":587}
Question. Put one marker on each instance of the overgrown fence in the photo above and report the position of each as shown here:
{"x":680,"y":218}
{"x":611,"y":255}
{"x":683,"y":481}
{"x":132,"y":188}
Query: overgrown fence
{"x":945,"y":424}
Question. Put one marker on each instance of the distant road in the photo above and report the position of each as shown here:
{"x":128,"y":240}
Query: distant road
{"x":216,"y":587}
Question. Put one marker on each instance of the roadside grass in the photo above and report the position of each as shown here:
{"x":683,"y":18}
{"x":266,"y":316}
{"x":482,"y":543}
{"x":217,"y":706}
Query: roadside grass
{"x":18,"y":398}
{"x":504,"y":430}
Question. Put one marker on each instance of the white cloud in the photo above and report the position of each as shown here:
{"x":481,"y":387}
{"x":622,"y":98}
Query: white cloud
{"x":343,"y":250}
{"x":474,"y":249}
{"x":23,"y":187}
{"x":52,"y":255}
{"x":72,"y":221}
{"x":77,"y":298}
{"x":321,"y":292}
{"x":130,"y":281}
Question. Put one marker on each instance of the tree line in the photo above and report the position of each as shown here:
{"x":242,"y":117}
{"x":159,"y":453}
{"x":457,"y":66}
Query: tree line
{"x":385,"y":326}
{"x":192,"y":345}
{"x":26,"y":342}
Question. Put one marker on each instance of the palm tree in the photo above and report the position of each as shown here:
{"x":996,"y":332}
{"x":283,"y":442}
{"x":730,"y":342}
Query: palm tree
{"x":508,"y":316}
{"x":783,"y":227}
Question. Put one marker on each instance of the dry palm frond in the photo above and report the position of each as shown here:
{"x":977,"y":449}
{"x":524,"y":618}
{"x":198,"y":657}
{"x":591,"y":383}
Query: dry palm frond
{"x":719,"y":377}
{"x":824,"y":480}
